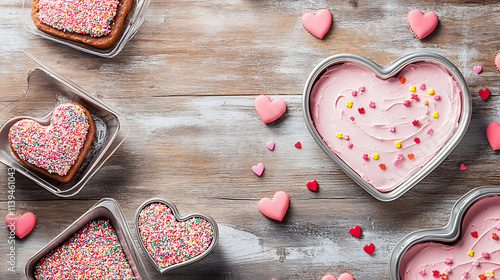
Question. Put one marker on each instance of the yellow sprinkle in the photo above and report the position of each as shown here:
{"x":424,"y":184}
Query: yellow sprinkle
{"x":349,"y":104}
{"x":339,"y":135}
{"x":435,"y":114}
{"x":413,"y":88}
{"x":375,"y":156}
{"x":431,"y":91}
{"x":398,"y":144}
{"x":471,"y":253}
{"x":489,"y":273}
{"x":425,"y":102}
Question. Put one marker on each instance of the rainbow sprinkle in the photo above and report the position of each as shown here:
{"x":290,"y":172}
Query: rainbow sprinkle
{"x":56,"y":147}
{"x":169,"y":241}
{"x":94,"y":252}
{"x":92,"y":17}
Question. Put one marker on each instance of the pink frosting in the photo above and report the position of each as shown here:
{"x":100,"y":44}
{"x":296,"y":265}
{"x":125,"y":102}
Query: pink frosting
{"x":398,"y":116}
{"x":483,"y":217}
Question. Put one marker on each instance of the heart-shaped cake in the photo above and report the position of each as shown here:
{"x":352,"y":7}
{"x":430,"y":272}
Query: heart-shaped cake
{"x":475,"y":255}
{"x":56,"y":150}
{"x":386,"y":126}
{"x":170,"y":240}
{"x":94,"y":252}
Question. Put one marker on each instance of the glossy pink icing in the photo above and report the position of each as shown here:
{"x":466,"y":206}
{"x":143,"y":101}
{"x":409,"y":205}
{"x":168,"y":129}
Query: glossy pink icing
{"x":483,"y":217}
{"x":396,"y":115}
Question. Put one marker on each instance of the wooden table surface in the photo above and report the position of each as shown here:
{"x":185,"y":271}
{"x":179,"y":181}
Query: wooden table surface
{"x":187,"y":82}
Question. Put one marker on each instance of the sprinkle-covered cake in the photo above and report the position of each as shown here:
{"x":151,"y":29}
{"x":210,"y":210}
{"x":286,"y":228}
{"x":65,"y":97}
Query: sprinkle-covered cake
{"x":56,"y":150}
{"x":386,"y":130}
{"x":98,"y":23}
{"x":169,"y":241}
{"x":94,"y":252}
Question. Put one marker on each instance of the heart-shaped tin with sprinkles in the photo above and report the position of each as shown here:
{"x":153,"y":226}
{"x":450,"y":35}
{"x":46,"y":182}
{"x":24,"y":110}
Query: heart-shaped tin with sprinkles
{"x":387,"y":127}
{"x":170,"y":240}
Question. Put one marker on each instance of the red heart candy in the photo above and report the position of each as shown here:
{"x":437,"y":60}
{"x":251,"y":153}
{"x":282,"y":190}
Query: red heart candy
{"x":268,"y":110}
{"x":369,"y":249}
{"x":355,"y":231}
{"x":312,"y":185}
{"x":422,"y":25}
{"x":484,"y":93}
{"x":474,"y":234}
{"x":22,"y":225}
{"x":318,"y":24}
{"x":276,"y":207}
{"x":298,"y":145}
{"x":493,"y":135}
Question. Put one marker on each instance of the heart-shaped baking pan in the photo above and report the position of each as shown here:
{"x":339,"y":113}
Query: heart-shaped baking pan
{"x":109,"y":210}
{"x":171,"y":241}
{"x":465,"y":248}
{"x":387,"y":127}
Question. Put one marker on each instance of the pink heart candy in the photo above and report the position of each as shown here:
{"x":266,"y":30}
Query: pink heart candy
{"x":497,"y":61}
{"x":345,"y":276}
{"x":268,"y":110}
{"x":478,"y":69}
{"x":318,"y":24}
{"x":270,"y":145}
{"x":258,"y":169}
{"x":493,"y":135}
{"x":462,"y":166}
{"x":328,"y":277}
{"x":422,"y":25}
{"x":276,"y":207}
{"x":22,"y":225}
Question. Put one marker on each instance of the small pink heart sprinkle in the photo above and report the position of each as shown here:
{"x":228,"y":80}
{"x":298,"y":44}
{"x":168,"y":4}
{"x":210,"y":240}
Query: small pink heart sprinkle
{"x":497,"y":227}
{"x":462,"y":166}
{"x":465,"y":274}
{"x":328,"y":277}
{"x":422,"y":272}
{"x":478,"y":69}
{"x":400,"y":156}
{"x":270,"y":145}
{"x":361,"y":89}
{"x":448,"y":261}
{"x":422,"y":86}
{"x":406,"y":103}
{"x":447,"y":270}
{"x":346,"y":137}
{"x":351,"y":118}
{"x":414,"y":96}
{"x":258,"y":169}
{"x":397,"y":162}
{"x":475,"y":263}
{"x":372,"y":104}
{"x":485,"y":255}
{"x":392,"y":129}
{"x":349,"y":145}
{"x":430,"y":131}
{"x":436,"y":97}
{"x":354,"y":93}
{"x":365,"y":156}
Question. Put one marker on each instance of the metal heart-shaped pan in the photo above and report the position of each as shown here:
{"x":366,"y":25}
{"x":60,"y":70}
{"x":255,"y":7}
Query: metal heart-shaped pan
{"x":448,"y":234}
{"x":384,"y":73}
{"x":172,"y":207}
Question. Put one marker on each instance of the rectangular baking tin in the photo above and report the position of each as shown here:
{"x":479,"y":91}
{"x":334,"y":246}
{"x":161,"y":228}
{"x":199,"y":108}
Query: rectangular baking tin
{"x":131,"y":25}
{"x":106,"y":208}
{"x":449,"y":234}
{"x":387,"y":72}
{"x":48,"y":88}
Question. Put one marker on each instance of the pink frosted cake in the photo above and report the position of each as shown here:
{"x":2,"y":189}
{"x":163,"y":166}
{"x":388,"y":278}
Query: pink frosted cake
{"x":476,"y":255}
{"x":92,"y":253}
{"x":386,"y":130}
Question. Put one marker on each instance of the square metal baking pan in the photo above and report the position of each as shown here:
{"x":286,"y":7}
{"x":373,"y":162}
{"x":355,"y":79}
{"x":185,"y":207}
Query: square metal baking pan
{"x":106,"y":208}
